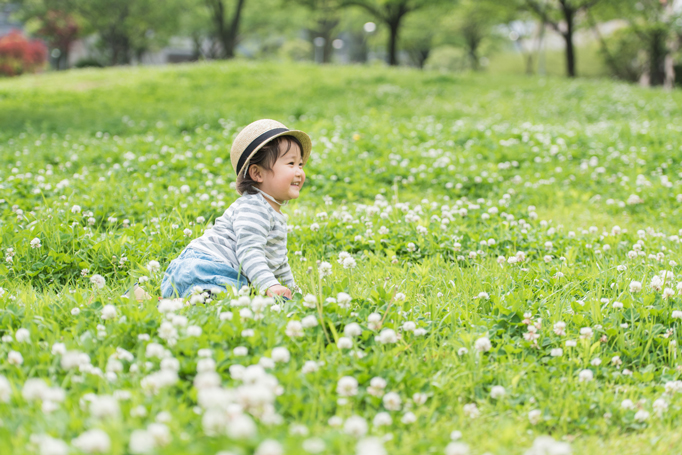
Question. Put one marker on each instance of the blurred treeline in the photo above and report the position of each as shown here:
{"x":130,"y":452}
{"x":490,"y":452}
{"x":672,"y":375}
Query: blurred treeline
{"x":637,"y":40}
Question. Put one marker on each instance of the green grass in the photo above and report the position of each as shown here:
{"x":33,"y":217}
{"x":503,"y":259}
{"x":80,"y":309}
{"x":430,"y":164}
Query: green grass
{"x":393,"y":148}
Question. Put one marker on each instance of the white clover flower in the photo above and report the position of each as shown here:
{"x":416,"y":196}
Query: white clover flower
{"x":376,"y":386}
{"x":294,"y":329}
{"x":617,"y":305}
{"x":370,"y":446}
{"x":104,"y":407}
{"x":677,"y":314}
{"x":310,"y":301}
{"x":98,"y":281}
{"x":408,"y":418}
{"x":52,"y":446}
{"x":660,"y":406}
{"x":187,"y":232}
{"x":635,"y":286}
{"x":497,"y":392}
{"x":14,"y":358}
{"x":457,"y":448}
{"x":560,"y":328}
{"x":240,"y":351}
{"x":382,"y":419}
{"x":374,"y":321}
{"x":34,"y":389}
{"x":352,"y":330}
{"x":571,"y":343}
{"x":153,"y":266}
{"x":22,"y":335}
{"x":668,"y":292}
{"x":409,"y":326}
{"x":420,"y":331}
{"x":595,"y":362}
{"x":419,"y":398}
{"x":355,"y":426}
{"x":642,"y":415}
{"x":169,"y":305}
{"x":280,"y":354}
{"x":35,"y":243}
{"x":343,"y":299}
{"x":269,"y":447}
{"x":310,"y":367}
{"x":387,"y":336}
{"x":586,"y":332}
{"x":168,"y":332}
{"x":556,"y":352}
{"x":392,"y":401}
{"x":483,"y":344}
{"x":344,"y":343}
{"x":471,"y":410}
{"x":5,"y":389}
{"x":534,"y":416}
{"x":627,"y":405}
{"x":141,"y":442}
{"x":194,"y":331}
{"x":108,"y":312}
{"x":325,"y":269}
{"x":313,"y":445}
{"x":347,"y":386}
{"x":585,"y":376}
{"x":309,"y":321}
{"x":93,"y":441}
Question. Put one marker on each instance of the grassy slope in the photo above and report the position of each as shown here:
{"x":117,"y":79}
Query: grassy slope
{"x":184,"y":97}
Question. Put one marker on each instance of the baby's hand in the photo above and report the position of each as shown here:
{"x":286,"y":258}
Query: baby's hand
{"x":278,"y":289}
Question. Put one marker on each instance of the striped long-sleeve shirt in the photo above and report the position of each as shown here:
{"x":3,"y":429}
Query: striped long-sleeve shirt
{"x":251,"y":237}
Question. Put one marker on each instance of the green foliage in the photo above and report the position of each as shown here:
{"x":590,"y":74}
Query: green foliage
{"x":413,"y":173}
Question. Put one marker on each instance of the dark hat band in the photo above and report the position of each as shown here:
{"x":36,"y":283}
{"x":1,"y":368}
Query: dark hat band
{"x":255,"y":143}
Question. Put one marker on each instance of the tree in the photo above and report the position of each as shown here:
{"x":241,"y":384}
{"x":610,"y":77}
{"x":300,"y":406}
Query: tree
{"x":226,"y":26}
{"x":326,"y":19}
{"x":60,"y":30}
{"x":53,"y":21}
{"x":424,"y":30}
{"x":128,"y":28}
{"x":561,"y":16}
{"x":653,"y":30}
{"x":473,"y":22}
{"x":392,"y":13}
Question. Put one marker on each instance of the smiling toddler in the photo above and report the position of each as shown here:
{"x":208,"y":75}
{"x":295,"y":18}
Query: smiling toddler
{"x":248,"y":243}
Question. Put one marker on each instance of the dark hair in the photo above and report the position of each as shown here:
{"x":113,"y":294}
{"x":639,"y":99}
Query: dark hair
{"x":265,"y":157}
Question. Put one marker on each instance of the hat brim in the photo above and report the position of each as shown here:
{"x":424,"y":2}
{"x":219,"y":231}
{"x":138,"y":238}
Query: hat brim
{"x":302,"y":137}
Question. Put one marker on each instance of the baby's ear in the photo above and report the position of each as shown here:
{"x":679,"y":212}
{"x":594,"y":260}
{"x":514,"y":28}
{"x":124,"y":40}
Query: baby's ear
{"x":255,"y":173}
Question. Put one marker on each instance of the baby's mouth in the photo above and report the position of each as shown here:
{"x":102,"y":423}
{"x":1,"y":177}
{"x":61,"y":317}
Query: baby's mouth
{"x":296,"y":184}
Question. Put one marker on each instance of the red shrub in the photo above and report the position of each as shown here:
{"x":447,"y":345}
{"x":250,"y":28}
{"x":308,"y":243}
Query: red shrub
{"x":20,"y":55}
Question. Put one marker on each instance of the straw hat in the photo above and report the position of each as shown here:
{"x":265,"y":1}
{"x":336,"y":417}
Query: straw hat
{"x":256,"y":135}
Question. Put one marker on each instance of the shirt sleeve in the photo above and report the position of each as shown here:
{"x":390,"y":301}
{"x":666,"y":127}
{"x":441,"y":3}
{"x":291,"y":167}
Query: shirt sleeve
{"x":285,"y":275}
{"x":251,"y":226}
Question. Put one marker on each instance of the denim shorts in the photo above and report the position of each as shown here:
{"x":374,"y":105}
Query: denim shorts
{"x":195,"y":268}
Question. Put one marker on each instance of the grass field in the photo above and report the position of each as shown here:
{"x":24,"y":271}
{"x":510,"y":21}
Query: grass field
{"x":514,"y":246}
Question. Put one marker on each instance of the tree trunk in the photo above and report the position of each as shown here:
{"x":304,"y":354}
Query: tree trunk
{"x":233,"y":32}
{"x":569,"y":16}
{"x":657,"y":56}
{"x":394,"y":27}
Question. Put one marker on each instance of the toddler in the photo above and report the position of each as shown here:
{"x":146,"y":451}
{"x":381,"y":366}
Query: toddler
{"x":248,"y":243}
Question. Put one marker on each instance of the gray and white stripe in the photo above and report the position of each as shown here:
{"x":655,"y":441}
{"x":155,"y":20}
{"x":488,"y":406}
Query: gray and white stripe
{"x":251,"y":237}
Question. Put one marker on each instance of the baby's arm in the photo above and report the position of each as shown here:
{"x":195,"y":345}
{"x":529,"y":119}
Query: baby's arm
{"x":284,"y":274}
{"x":251,"y":229}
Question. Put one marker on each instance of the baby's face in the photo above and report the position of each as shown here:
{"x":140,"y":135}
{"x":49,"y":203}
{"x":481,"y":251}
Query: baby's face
{"x":285,"y":180}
